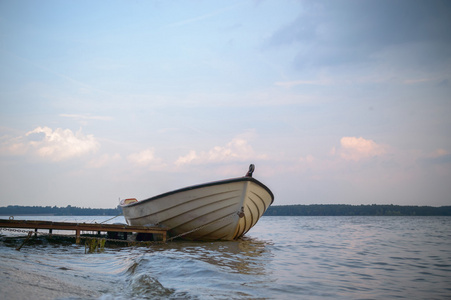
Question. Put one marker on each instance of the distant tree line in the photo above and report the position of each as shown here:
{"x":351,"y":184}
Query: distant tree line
{"x":356,"y":210}
{"x":280,"y":210}
{"x":16,"y":210}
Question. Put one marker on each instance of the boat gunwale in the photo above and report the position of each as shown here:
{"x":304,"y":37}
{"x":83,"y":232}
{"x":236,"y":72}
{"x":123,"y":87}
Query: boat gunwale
{"x":198,"y":186}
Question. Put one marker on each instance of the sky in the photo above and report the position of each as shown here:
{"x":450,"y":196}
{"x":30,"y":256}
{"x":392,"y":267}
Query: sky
{"x":335,"y":102}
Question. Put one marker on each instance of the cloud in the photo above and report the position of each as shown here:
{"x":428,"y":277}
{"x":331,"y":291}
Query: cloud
{"x":12,"y":146}
{"x":86,"y":117}
{"x":104,"y":160}
{"x":440,"y":153}
{"x":187,"y":159}
{"x":332,"y":33}
{"x":355,"y":149}
{"x":144,"y":158}
{"x":60,"y":144}
{"x":236,"y":150}
{"x":438,"y":157}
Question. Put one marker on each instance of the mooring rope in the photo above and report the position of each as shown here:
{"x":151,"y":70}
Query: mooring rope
{"x":111,"y":218}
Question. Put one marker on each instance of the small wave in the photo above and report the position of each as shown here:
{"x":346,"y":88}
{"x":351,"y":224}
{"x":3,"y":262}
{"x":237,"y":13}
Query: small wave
{"x":146,"y":286}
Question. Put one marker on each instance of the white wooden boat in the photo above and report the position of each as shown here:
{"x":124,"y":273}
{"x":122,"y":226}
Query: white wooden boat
{"x":219,"y":210}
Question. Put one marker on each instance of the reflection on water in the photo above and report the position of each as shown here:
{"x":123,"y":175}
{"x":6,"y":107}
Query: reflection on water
{"x":226,"y":270}
{"x":244,"y":256}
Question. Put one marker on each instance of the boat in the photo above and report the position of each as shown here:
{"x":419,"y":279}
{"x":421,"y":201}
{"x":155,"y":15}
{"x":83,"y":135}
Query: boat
{"x":218,"y":210}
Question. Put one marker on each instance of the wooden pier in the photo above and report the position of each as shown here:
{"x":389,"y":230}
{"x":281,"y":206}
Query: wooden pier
{"x":79,"y":227}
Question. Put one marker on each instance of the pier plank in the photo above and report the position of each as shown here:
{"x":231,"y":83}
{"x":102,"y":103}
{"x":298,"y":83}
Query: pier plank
{"x":78,"y":227}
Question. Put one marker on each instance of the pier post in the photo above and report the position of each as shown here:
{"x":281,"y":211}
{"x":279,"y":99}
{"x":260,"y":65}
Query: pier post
{"x":112,"y":229}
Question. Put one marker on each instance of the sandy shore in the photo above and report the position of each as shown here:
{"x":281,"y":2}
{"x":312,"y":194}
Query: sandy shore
{"x":17,"y":283}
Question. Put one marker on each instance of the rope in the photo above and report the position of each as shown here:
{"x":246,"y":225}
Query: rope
{"x":112,"y":218}
{"x":26,"y":240}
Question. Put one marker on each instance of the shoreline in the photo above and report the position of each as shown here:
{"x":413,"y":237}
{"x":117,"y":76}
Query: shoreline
{"x":38,"y":286}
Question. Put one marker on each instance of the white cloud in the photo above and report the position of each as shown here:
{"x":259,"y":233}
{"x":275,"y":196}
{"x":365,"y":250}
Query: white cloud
{"x":144,"y":158}
{"x":12,"y":146}
{"x":86,"y":117}
{"x":236,"y":150}
{"x":187,"y":159}
{"x":61,"y":144}
{"x":355,"y":149}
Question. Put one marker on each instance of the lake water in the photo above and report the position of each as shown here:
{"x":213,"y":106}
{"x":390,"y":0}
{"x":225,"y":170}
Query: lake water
{"x":280,"y":258}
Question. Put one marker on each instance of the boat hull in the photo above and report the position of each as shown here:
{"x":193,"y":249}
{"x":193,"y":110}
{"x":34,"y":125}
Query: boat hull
{"x":221,"y":210}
